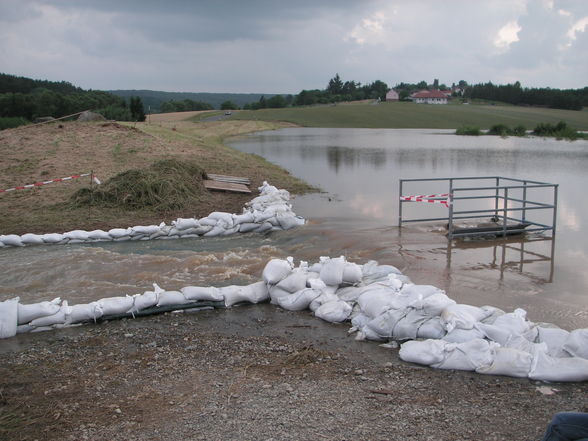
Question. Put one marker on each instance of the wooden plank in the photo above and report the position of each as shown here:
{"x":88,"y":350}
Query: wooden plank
{"x":226,"y":186}
{"x":226,"y":178}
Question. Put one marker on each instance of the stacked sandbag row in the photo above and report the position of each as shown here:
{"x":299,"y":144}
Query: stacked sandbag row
{"x":381,"y":303}
{"x":17,"y":318}
{"x":268,"y":212}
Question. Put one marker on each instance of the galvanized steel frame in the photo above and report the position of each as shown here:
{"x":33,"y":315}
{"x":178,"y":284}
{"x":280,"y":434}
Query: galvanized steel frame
{"x":501,"y":192}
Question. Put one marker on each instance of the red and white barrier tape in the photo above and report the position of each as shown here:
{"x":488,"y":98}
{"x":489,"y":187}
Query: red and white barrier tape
{"x":427,"y":198}
{"x":39,"y":184}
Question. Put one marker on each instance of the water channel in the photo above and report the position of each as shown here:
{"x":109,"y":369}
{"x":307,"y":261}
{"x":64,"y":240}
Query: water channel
{"x":356,"y":216}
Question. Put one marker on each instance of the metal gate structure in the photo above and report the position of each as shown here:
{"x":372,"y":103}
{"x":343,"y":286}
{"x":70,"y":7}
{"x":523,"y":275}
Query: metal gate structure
{"x":513,"y":199}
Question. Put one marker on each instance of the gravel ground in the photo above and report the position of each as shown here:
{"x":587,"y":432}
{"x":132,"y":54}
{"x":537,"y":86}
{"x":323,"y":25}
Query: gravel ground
{"x":252,"y":373}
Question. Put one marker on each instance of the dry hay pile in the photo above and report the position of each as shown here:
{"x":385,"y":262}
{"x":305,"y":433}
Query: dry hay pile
{"x":166,"y":185}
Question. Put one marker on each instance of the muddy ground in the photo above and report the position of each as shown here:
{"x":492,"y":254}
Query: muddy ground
{"x":252,"y":373}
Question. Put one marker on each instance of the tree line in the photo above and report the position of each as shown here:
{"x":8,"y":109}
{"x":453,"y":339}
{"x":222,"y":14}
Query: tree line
{"x":26,"y":99}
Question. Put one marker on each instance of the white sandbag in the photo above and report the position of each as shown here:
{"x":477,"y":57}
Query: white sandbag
{"x":493,"y":312}
{"x":171,"y":298}
{"x":434,"y":304}
{"x":315,"y":267}
{"x":547,"y":368}
{"x":116,"y":233}
{"x":11,"y":240}
{"x":226,"y":218}
{"x":349,"y":293}
{"x":407,"y":327}
{"x":76,"y":235}
{"x":260,"y":217}
{"x":325,"y":297}
{"x":352,"y":273}
{"x":229,"y":231}
{"x":174,"y":232}
{"x":245,"y":218}
{"x":276,"y":270}
{"x":522,"y":344}
{"x":510,"y":362}
{"x":461,"y":316}
{"x":208,"y":221}
{"x":217,"y":230}
{"x":373,"y":272}
{"x":247,"y":227}
{"x":52,"y":237}
{"x":375,"y":302}
{"x":577,"y":343}
{"x":383,"y":325}
{"x":359,"y":321}
{"x":458,"y":335}
{"x":185,"y":223}
{"x":297,"y":301}
{"x":420,"y":291}
{"x":198,"y":293}
{"x":277,"y":293}
{"x":494,"y":333}
{"x":334,"y":312}
{"x":8,"y":317}
{"x":116,"y":305}
{"x":425,"y":352}
{"x":514,"y":322}
{"x":555,"y":339}
{"x":467,"y":356}
{"x":145,"y":229}
{"x":146,"y":300}
{"x":254,"y":293}
{"x":432,"y":328}
{"x":32,"y":239}
{"x":60,"y":317}
{"x":289,"y":221}
{"x":266,"y":226}
{"x":85,"y":312}
{"x":294,"y":282}
{"x":332,"y":271}
{"x":28,"y":313}
{"x":99,"y":235}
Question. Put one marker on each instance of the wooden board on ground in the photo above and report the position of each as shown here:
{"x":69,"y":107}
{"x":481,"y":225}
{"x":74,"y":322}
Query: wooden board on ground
{"x":225,"y":178}
{"x":226,"y":186}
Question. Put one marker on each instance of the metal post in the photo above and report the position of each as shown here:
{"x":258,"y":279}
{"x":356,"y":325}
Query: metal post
{"x":496,"y":199}
{"x":505,"y":212}
{"x":450,"y":200}
{"x":555,"y":188}
{"x":524,"y":202}
{"x":400,"y":205}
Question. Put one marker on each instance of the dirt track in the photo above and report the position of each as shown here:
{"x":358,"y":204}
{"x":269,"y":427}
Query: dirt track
{"x":252,"y":373}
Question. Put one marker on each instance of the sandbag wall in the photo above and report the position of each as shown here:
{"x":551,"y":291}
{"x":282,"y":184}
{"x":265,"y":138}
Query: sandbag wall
{"x":381,"y":303}
{"x":269,"y":211}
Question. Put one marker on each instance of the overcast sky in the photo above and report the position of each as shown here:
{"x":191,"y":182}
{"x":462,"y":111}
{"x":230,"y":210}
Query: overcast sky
{"x":284,"y":46}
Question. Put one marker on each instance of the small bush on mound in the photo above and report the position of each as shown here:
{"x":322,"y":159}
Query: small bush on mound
{"x":468,"y":130}
{"x":166,"y":185}
{"x":500,"y":130}
{"x":519,"y":130}
{"x":560,"y":130}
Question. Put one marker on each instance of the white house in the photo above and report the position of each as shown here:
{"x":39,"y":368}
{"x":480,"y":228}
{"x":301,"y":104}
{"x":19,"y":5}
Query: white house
{"x":392,"y":96}
{"x":430,"y":97}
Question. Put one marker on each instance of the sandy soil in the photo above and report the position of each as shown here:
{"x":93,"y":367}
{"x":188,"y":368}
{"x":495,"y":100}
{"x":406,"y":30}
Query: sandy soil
{"x":252,"y":373}
{"x":174,"y":116}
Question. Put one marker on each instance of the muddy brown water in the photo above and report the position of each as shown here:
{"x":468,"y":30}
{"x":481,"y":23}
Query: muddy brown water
{"x":356,"y":217}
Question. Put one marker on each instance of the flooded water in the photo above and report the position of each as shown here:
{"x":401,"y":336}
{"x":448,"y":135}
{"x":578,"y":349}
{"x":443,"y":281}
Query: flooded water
{"x":357,"y":216}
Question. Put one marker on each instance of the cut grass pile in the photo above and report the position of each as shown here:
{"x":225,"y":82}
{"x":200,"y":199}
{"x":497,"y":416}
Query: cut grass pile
{"x":169,"y":184}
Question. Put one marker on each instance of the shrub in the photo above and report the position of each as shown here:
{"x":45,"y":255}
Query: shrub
{"x":10,"y":122}
{"x":499,"y":129}
{"x":468,"y":130}
{"x":519,"y":130}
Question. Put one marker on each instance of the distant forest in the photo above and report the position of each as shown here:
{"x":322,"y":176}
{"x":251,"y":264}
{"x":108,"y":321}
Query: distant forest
{"x":24,"y":99}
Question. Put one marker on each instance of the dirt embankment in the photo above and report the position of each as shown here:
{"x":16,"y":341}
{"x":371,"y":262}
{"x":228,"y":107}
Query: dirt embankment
{"x":107,"y":149}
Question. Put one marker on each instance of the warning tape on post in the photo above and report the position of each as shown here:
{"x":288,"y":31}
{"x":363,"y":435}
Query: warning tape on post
{"x":51,"y":181}
{"x":431,"y":198}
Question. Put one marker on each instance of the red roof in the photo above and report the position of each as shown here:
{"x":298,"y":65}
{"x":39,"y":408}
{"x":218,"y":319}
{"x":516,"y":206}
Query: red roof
{"x":430,"y":94}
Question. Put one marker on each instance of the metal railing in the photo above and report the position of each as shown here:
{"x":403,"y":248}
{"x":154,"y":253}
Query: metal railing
{"x":511,"y":196}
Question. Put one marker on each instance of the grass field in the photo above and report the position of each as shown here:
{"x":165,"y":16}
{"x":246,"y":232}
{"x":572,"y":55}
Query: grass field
{"x":411,"y":115}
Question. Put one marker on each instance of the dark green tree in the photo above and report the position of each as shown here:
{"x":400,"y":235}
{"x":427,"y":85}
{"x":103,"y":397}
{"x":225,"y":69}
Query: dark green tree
{"x":136,"y":108}
{"x":335,"y":86}
{"x":228,"y":105}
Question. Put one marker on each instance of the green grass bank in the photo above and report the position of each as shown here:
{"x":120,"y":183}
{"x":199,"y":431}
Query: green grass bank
{"x":414,"y":116}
